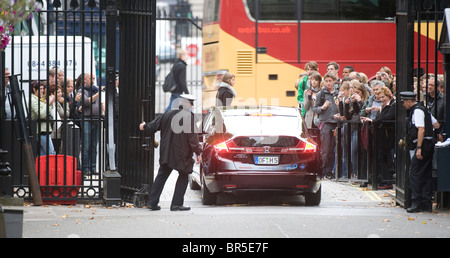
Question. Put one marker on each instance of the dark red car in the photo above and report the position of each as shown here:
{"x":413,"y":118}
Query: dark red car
{"x":254,"y":149}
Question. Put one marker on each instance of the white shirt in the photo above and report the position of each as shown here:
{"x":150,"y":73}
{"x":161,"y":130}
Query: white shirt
{"x":418,"y":119}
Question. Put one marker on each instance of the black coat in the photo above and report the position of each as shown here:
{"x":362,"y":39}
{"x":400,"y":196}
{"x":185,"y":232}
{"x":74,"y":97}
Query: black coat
{"x":224,"y":97}
{"x":386,"y":132}
{"x":179,"y":73}
{"x":178,"y":144}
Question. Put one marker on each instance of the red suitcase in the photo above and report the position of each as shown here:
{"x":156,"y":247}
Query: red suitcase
{"x":58,"y":172}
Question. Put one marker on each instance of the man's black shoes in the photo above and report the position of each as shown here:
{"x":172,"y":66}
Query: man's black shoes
{"x":179,"y":208}
{"x":155,"y":207}
{"x":172,"y":208}
{"x":415,"y":209}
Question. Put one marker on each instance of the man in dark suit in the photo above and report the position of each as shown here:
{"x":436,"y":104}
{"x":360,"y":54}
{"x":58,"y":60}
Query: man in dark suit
{"x":179,"y":141}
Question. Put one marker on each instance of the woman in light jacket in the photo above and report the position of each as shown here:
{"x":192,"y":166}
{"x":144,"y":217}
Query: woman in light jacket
{"x":39,"y":113}
{"x":62,"y":114}
{"x":313,"y":87}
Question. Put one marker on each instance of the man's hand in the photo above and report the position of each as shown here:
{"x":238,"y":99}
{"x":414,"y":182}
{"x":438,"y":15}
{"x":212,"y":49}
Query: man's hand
{"x":419,"y":154}
{"x":326,"y":105}
{"x":142,"y":126}
{"x":199,"y":159}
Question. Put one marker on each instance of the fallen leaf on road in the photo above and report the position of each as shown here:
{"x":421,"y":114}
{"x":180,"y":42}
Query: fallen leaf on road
{"x":409,"y":218}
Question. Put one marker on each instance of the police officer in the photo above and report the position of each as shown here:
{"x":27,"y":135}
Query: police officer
{"x":179,"y":141}
{"x":420,"y":142}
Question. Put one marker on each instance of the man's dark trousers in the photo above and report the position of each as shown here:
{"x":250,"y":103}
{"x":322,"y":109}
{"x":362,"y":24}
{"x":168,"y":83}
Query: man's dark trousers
{"x":421,"y":180}
{"x":328,"y":144}
{"x":160,"y":181}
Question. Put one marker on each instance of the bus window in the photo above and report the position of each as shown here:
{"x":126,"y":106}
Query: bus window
{"x":324,"y":9}
{"x":211,"y":12}
{"x":348,"y":10}
{"x":274,"y":10}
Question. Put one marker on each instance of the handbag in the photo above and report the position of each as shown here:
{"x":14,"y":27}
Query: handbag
{"x":169,"y":83}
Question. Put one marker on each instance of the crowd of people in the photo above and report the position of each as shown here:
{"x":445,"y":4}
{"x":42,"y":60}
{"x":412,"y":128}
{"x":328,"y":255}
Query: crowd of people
{"x":59,"y":104}
{"x":351,"y":100}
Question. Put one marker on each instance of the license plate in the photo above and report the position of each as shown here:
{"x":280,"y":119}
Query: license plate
{"x":267,"y":160}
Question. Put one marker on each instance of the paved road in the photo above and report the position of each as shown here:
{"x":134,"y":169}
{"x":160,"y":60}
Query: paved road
{"x":345,"y":211}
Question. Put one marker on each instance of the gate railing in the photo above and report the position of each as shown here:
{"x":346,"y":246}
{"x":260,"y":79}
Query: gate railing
{"x":72,"y":36}
{"x":419,"y":25}
{"x":361,"y":157}
{"x":62,"y":46}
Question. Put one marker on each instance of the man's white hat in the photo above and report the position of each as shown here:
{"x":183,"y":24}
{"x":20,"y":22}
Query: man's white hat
{"x":188,"y":97}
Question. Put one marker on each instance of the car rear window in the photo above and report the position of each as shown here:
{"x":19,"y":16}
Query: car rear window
{"x":275,"y":124}
{"x":262,"y":141}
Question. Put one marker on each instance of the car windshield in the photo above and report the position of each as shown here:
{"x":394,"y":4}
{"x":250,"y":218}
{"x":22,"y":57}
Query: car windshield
{"x":264,"y":121}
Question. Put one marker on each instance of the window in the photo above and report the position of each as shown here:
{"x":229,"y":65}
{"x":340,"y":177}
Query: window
{"x":211,"y":12}
{"x":324,"y":9}
{"x":274,"y":9}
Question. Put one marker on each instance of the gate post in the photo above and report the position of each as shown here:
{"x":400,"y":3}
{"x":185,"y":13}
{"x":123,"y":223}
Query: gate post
{"x":405,"y":64}
{"x":443,"y":198}
{"x":112,"y":179}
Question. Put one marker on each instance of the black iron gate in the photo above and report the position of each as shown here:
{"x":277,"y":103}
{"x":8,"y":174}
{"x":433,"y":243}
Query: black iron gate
{"x":92,"y":44}
{"x":53,"y":56}
{"x":114,"y":42}
{"x":419,"y":23}
{"x":137,"y":97}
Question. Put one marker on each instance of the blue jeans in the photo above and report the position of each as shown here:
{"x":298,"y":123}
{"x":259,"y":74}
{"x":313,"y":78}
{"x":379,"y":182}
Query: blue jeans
{"x":344,"y":150}
{"x":43,"y":149}
{"x":354,"y":150}
{"x":172,"y":99}
{"x":91,"y":133}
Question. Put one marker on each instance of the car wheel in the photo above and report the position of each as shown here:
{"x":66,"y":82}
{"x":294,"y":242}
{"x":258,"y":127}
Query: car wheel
{"x":313,"y":199}
{"x":193,"y":184}
{"x":208,"y":198}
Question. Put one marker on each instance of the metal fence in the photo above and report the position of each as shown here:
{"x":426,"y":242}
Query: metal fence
{"x":60,"y":57}
{"x":85,"y":46}
{"x":361,"y":157}
{"x":419,"y":25}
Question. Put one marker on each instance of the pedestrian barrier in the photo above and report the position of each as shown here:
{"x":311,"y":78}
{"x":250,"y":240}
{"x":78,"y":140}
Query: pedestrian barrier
{"x":443,"y":171}
{"x":361,"y":157}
